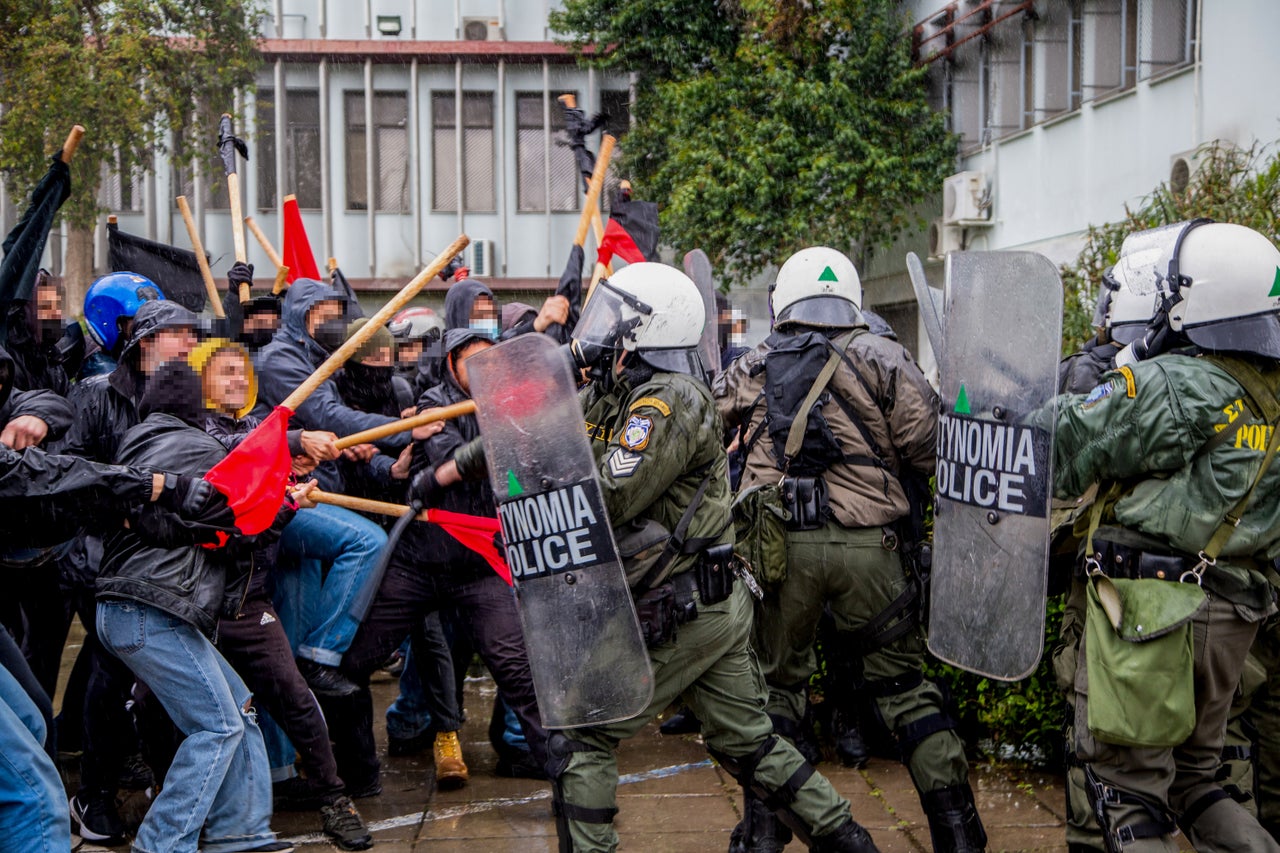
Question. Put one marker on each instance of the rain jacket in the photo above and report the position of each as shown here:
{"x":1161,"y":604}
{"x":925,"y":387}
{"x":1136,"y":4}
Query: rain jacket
{"x":896,"y":405}
{"x":290,"y":358}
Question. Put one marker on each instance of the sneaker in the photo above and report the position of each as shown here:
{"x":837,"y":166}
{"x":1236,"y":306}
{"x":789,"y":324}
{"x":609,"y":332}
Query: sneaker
{"x":399,"y":747}
{"x":343,"y":824}
{"x":363,"y":792}
{"x":94,"y":817}
{"x":451,"y":771}
{"x":136,"y":775}
{"x":325,"y":680}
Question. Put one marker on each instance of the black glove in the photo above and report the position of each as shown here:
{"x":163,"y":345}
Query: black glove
{"x":197,"y":506}
{"x":424,"y":485}
{"x":240,"y":273}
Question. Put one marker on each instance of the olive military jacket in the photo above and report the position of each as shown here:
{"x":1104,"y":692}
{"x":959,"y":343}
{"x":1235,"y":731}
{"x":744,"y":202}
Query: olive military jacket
{"x":654,"y":442}
{"x":897,"y":406}
{"x":1149,"y":425}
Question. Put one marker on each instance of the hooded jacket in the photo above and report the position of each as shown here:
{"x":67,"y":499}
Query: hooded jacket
{"x":460,"y":299}
{"x":291,"y":357}
{"x":186,"y":581}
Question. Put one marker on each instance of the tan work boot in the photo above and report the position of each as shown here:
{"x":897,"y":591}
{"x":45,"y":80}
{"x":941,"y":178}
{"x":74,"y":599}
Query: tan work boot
{"x":451,"y":770}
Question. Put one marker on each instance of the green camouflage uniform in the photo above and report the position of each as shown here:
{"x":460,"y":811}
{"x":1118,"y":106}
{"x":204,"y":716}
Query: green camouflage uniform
{"x":1147,"y":427}
{"x":653,"y":441}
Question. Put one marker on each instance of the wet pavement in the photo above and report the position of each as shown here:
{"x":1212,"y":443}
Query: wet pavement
{"x":671,"y":799}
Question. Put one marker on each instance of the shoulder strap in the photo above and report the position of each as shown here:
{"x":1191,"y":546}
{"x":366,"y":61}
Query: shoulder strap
{"x":1259,"y":388}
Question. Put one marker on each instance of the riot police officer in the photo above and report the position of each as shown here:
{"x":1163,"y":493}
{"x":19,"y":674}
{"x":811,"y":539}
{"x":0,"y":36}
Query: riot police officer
{"x":1187,"y":441}
{"x":869,"y":424}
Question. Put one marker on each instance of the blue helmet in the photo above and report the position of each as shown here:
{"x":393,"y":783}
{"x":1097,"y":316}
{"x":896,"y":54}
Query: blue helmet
{"x":115,"y":295}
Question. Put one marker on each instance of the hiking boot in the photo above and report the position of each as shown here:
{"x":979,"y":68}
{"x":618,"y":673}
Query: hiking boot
{"x":325,"y":680}
{"x":94,"y":817}
{"x":343,"y":824}
{"x":451,"y":770}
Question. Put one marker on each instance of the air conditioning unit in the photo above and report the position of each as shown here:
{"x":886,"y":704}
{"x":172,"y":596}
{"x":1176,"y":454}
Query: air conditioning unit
{"x":965,"y":199}
{"x":1184,"y":166}
{"x":943,"y":238}
{"x":479,"y":258}
{"x":481,"y":29}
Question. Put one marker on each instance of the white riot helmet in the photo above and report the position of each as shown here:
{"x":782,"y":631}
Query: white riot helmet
{"x":1222,"y":283}
{"x":650,"y":309}
{"x":817,"y":287}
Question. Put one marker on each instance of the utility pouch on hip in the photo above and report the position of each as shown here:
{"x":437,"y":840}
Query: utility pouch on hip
{"x":714,"y":574}
{"x":658,"y":613}
{"x":806,"y":499}
{"x":760,"y":528}
{"x":1140,"y":661}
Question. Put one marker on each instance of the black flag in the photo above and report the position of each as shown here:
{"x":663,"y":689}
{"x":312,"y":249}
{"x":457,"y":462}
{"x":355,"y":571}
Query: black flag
{"x":570,"y":286}
{"x":175,"y":271}
{"x":579,"y":127}
{"x":25,"y":243}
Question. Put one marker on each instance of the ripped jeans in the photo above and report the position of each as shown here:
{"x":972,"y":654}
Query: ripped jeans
{"x":219,"y":781}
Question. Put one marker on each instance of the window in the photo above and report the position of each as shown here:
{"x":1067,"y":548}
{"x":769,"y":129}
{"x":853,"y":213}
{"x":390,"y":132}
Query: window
{"x":531,"y":137}
{"x":120,"y":193}
{"x":477,"y":151}
{"x":1167,"y":36}
{"x":301,"y":152}
{"x":1110,"y":46}
{"x":1010,"y":80}
{"x":390,"y":140}
{"x":213,"y":175}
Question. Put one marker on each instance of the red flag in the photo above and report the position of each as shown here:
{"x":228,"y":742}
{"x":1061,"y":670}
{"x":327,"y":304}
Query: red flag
{"x":632,"y":233}
{"x":255,"y":474}
{"x":476,"y":532}
{"x":296,"y":252}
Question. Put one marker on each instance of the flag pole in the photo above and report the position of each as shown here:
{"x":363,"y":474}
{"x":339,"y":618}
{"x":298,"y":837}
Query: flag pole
{"x":385,"y":313}
{"x":201,"y":260}
{"x":445,"y":413}
{"x":73,"y":142}
{"x":282,"y":271}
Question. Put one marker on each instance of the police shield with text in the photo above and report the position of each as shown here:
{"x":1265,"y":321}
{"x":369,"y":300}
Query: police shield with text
{"x":998,"y":368}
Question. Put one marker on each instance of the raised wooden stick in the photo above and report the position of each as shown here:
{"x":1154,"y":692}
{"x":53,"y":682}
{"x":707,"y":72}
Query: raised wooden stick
{"x":445,"y":413}
{"x":385,"y":313}
{"x":201,"y":260}
{"x":73,"y":142}
{"x":282,"y":272}
{"x":593,"y":190}
{"x":364,"y":504}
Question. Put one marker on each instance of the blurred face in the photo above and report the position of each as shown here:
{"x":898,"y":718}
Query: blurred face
{"x":165,"y":345}
{"x":48,"y":303}
{"x":262,"y":320}
{"x":226,"y":381}
{"x":381,"y":358}
{"x":407,"y":353}
{"x":483,"y":309}
{"x":321,"y":312}
{"x":459,"y":362}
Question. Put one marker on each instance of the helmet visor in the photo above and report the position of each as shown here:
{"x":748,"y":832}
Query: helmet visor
{"x":1139,"y":254}
{"x":823,"y":311}
{"x":608,"y":315}
{"x":1258,"y":334}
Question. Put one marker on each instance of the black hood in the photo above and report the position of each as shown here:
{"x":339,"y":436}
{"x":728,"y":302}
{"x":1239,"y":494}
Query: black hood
{"x":174,"y":389}
{"x":459,"y":301}
{"x":6,"y":376}
{"x":155,"y":316}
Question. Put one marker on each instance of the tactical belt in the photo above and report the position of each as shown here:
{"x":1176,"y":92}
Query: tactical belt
{"x":1123,"y":561}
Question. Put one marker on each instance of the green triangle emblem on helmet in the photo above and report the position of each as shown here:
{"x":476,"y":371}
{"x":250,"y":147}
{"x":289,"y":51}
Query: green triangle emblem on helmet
{"x":514,"y":489}
{"x":829,"y":274}
{"x":962,"y":401}
{"x":1275,"y":284}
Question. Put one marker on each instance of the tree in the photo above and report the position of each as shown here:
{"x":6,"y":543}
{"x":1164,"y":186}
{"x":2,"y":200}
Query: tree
{"x":130,"y":71}
{"x":1239,"y":185}
{"x":764,"y":126}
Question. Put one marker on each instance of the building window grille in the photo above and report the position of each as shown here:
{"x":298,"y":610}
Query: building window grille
{"x":477,"y":152}
{"x":390,"y":141}
{"x":301,"y":152}
{"x":531,"y":172}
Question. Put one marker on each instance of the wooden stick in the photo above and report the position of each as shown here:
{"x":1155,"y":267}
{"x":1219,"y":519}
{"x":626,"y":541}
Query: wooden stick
{"x":593,"y":190}
{"x":73,"y":142}
{"x":447,"y":413}
{"x":237,"y":230}
{"x":364,"y":504}
{"x":282,"y":271}
{"x":385,"y":313}
{"x":201,"y":260}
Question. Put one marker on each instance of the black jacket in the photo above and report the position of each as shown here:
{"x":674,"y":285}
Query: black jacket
{"x":184,"y":580}
{"x":428,"y":543}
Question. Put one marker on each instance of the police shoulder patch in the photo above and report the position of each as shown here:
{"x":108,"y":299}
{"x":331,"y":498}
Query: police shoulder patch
{"x":635,"y":436}
{"x":652,"y":403}
{"x":623,"y":463}
{"x":1130,"y":384}
{"x":1097,"y":395}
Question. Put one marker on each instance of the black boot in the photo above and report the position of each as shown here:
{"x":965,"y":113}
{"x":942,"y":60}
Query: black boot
{"x":850,"y":747}
{"x":954,"y":824}
{"x":849,"y":838}
{"x":682,"y":722}
{"x":759,"y":831}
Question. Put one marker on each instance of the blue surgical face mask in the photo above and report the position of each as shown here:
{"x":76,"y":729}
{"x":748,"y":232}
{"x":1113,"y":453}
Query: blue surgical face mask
{"x":738,"y":339}
{"x":488,"y":328}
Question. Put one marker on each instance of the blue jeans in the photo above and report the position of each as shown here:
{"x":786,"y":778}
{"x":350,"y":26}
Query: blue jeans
{"x":33,"y":806}
{"x":321,"y":612}
{"x":218,"y":779}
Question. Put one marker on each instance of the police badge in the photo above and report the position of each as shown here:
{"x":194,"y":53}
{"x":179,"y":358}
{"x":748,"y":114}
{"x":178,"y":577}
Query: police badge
{"x":636,"y":434}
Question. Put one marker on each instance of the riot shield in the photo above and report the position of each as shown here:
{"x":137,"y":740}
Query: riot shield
{"x":698,"y":267}
{"x":930,"y":303}
{"x":588,"y":658}
{"x":999,"y":373}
